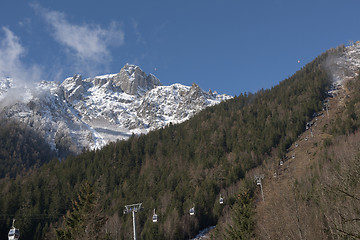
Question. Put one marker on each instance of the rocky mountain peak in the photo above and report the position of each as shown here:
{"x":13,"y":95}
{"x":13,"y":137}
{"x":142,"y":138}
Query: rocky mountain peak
{"x":195,"y":90}
{"x":132,"y":80}
{"x":72,"y":81}
{"x":73,"y":87}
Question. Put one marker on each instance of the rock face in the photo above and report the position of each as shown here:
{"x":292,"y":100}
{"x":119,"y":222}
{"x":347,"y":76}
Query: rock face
{"x":132,"y":80}
{"x":74,"y":88}
{"x":88,"y":113}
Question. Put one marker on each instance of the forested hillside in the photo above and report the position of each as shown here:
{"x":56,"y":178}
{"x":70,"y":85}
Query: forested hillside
{"x":21,"y":149}
{"x":316,"y":194}
{"x":172,"y":169}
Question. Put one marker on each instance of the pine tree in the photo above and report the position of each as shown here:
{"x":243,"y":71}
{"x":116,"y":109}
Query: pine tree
{"x":242,"y":217}
{"x":86,"y":219}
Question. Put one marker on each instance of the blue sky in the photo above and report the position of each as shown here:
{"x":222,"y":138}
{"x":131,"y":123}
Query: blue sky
{"x":231,"y":46}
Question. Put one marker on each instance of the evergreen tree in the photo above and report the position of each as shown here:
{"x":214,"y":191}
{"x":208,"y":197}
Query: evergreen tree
{"x":242,"y":217}
{"x":86,"y":219}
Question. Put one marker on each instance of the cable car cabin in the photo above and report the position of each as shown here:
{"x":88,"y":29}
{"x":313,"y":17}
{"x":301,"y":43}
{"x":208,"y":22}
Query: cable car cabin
{"x":221,"y":200}
{"x":258,"y":181}
{"x":14,"y":233}
{"x":154,"y":217}
{"x":192,"y":211}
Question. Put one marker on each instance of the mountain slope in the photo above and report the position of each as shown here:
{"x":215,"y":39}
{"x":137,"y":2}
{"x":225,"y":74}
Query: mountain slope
{"x":89,"y":113}
{"x":283,"y":204}
{"x":314,"y":195}
{"x":21,"y":149}
{"x":178,"y":166}
{"x":312,"y":191}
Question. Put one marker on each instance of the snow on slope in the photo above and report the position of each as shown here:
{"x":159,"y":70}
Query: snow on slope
{"x":346,"y":65}
{"x":88,"y":113}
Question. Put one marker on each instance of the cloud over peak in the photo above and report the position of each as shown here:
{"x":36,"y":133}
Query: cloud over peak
{"x":86,"y":42}
{"x":89,"y":41}
{"x":11,"y":65}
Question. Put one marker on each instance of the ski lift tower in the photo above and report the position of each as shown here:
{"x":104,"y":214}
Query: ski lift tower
{"x":258,"y":179}
{"x":133,"y":208}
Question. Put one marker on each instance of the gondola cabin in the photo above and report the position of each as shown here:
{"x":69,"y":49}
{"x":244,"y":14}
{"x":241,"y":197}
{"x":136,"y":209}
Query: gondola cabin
{"x":258,"y":181}
{"x":155,"y":217}
{"x":192,"y":211}
{"x":14,"y":233}
{"x":221,"y":200}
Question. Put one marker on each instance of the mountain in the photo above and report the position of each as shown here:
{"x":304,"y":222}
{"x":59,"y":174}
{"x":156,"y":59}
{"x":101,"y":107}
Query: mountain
{"x":315,"y":193}
{"x":88,"y":113}
{"x":217,"y":153}
{"x":173,"y":168}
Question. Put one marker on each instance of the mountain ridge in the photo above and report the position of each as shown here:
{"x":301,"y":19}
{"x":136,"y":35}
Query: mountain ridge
{"x":88,"y":113}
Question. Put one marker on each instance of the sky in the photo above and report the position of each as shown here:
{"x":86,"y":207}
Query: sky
{"x":228,"y":46}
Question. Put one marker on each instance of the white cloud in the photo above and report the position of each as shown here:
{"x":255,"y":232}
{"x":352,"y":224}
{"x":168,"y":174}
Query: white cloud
{"x":87,"y":42}
{"x":10,"y":48}
{"x":11,"y":65}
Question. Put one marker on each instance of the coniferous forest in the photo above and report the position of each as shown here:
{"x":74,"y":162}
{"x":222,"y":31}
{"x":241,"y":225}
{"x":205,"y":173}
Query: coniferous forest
{"x":169,"y":170}
{"x":21,"y":149}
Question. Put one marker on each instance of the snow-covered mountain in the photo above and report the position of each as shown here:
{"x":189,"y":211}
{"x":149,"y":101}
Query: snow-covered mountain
{"x":88,"y":113}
